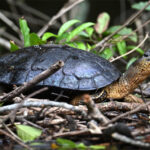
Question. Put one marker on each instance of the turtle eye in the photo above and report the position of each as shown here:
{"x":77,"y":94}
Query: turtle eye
{"x":145,"y":55}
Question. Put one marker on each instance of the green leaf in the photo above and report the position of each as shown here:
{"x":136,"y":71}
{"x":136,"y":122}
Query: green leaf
{"x":35,"y":40}
{"x":140,"y":5}
{"x":124,"y":31}
{"x":68,"y":144}
{"x":28,"y":133}
{"x":62,"y":38}
{"x":122,"y":48}
{"x":37,"y":143}
{"x":107,"y":53}
{"x":133,"y":37}
{"x":77,"y":30}
{"x":97,"y":147}
{"x":13,"y":46}
{"x":80,"y":45}
{"x":71,"y":44}
{"x":89,"y":47}
{"x":25,"y":32}
{"x":81,"y":146}
{"x":102,"y":22}
{"x":83,"y":34}
{"x":48,"y":35}
{"x":130,"y":62}
{"x":90,"y":31}
{"x":66,"y":26}
{"x":139,"y":50}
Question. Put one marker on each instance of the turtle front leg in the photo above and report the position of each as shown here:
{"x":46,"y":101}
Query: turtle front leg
{"x":77,"y":100}
{"x":83,"y":98}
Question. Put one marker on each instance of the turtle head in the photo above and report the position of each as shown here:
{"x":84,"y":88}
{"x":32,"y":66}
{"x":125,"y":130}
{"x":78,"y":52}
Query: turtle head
{"x":130,"y":80}
{"x":146,"y":56}
{"x":145,"y":59}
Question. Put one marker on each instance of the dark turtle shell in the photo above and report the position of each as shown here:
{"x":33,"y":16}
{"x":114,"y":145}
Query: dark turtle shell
{"x":82,"y":70}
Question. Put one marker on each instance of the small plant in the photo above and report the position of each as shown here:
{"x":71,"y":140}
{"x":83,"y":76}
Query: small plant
{"x":65,"y":144}
{"x":63,"y":37}
{"x":83,"y":32}
{"x":84,"y":37}
{"x":140,"y":5}
{"x":27,"y":133}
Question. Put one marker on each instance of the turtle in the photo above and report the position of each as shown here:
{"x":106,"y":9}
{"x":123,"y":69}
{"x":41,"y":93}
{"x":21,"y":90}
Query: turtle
{"x":83,"y":72}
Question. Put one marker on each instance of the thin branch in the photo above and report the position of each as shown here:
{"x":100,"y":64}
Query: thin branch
{"x":133,"y":32}
{"x":5,"y":43}
{"x":131,"y":51}
{"x":13,"y":8}
{"x":72,"y":133}
{"x":30,"y":123}
{"x":12,"y":115}
{"x":32,"y":10}
{"x":120,"y":106}
{"x":128,"y":140}
{"x":9,"y":23}
{"x":11,"y":37}
{"x":58,"y":15}
{"x":132,"y":18}
{"x":141,"y":106}
{"x":11,"y":132}
{"x":30,"y":19}
{"x":42,"y":103}
{"x":14,"y":139}
{"x":93,"y":111}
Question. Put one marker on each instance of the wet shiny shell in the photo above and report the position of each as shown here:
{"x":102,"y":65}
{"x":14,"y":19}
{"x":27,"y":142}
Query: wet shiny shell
{"x":82,"y":70}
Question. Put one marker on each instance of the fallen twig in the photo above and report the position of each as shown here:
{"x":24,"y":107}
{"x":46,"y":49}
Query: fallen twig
{"x":72,"y":133}
{"x":42,"y":103}
{"x":12,"y":115}
{"x":93,"y":110}
{"x":141,"y":132}
{"x":30,"y":123}
{"x":11,"y":132}
{"x":14,"y":139}
{"x":120,"y":106}
{"x":128,"y":140}
{"x":141,"y":106}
